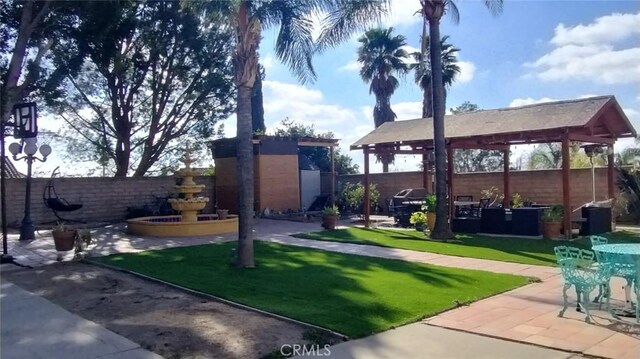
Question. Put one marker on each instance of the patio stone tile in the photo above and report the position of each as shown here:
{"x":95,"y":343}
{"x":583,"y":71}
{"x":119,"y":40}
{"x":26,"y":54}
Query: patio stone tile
{"x":488,"y":330}
{"x":468,"y":326}
{"x":528,"y":329}
{"x":514,"y":335}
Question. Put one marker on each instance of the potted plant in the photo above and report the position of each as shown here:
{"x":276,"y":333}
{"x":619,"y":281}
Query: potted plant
{"x":330,"y":217}
{"x":552,"y":221}
{"x":222,"y":213}
{"x":419,"y":220}
{"x":64,"y":237}
{"x":517,"y":201}
{"x":430,"y":208}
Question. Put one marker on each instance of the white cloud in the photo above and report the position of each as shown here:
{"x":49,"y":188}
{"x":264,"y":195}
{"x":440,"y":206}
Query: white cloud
{"x":587,"y":52}
{"x":610,"y":28}
{"x":402,"y":13}
{"x":529,"y":101}
{"x":516,"y":102}
{"x":268,"y":61}
{"x":467,"y":72}
{"x":351,"y":66}
{"x":407,"y":110}
{"x":634,"y":117}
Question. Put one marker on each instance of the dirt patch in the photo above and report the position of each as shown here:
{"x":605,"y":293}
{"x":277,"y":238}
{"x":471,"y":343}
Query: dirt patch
{"x":162,"y":319}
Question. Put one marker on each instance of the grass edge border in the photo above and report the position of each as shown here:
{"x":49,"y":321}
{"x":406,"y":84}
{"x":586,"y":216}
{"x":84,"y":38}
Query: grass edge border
{"x":216,"y":298}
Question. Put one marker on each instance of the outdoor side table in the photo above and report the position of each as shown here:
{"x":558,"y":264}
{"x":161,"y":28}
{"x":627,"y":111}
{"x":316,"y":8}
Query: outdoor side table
{"x":527,"y":221}
{"x":622,"y":254}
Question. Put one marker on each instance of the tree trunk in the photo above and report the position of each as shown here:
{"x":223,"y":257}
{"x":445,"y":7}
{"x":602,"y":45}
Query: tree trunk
{"x":245,"y":62}
{"x":442,"y":229}
{"x":122,"y":159}
{"x":427,"y":102}
{"x":245,"y":179}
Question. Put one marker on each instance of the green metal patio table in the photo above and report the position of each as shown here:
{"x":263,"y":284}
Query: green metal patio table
{"x":625,"y":257}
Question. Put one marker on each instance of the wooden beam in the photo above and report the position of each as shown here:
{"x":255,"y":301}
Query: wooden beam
{"x":611,"y":189}
{"x":399,"y":152}
{"x":450,"y":179}
{"x":333,"y":176}
{"x":506,"y":202}
{"x":592,"y":139}
{"x":477,"y":146}
{"x":367,"y":198}
{"x":566,"y":185}
{"x":316,"y":144}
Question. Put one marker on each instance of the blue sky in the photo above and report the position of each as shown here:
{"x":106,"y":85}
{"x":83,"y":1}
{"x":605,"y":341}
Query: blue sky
{"x":533,"y":51}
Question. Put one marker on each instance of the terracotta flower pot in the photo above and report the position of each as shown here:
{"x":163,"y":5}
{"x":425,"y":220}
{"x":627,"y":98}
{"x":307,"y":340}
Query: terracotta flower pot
{"x":551,"y":230}
{"x":329,"y":222}
{"x":64,"y":240}
{"x":431,"y":221}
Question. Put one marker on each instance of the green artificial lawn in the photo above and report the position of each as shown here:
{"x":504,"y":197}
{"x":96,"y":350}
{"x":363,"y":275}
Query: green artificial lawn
{"x":507,"y":249}
{"x":353,"y":295}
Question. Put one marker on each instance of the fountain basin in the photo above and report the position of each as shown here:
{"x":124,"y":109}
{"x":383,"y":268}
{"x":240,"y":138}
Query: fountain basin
{"x":194,"y":204}
{"x":196,"y":188}
{"x":172,"y":226}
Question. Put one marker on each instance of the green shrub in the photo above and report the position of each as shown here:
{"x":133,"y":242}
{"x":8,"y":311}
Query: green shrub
{"x":553,"y":213}
{"x":352,"y":197}
{"x":418,"y":218}
{"x":330,"y":211}
{"x":430,"y":203}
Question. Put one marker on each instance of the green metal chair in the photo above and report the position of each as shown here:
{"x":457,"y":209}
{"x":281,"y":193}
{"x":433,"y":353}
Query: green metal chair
{"x":578,"y":270}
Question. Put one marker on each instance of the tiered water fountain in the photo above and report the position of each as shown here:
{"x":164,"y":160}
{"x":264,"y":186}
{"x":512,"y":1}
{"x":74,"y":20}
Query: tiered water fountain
{"x":189,"y":222}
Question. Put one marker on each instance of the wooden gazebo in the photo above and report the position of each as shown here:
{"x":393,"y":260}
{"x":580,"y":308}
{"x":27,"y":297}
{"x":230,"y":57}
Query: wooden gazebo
{"x":597,"y":120}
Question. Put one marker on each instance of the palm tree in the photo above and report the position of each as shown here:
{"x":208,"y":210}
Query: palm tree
{"x":422,"y":67}
{"x":294,"y":46}
{"x":382,"y":56}
{"x":432,"y":12}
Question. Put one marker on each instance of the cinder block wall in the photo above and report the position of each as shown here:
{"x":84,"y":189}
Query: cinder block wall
{"x":103,"y":198}
{"x":541,"y":186}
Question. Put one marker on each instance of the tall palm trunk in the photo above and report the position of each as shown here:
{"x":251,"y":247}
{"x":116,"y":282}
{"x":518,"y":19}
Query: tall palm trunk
{"x":245,"y":61}
{"x":442,"y":229}
{"x":427,"y":102}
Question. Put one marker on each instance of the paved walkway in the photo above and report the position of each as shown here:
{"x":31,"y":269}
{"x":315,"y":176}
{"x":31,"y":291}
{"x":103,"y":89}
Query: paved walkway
{"x":527,"y":314}
{"x":424,"y":341}
{"x":33,"y":327}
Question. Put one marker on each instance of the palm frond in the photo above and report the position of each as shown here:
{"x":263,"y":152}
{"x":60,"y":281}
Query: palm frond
{"x":451,"y":9}
{"x":494,"y":6}
{"x":345,"y":17}
{"x":294,"y":44}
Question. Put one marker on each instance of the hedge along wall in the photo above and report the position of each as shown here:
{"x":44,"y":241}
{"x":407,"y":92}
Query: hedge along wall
{"x":103,"y":198}
{"x":540,"y":186}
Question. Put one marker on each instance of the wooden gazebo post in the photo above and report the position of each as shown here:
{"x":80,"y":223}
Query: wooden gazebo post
{"x":611,"y":183}
{"x":506,"y":202}
{"x":566,"y":185}
{"x":425,"y":172}
{"x":367,"y":199}
{"x":333,"y":176}
{"x":450,"y":179}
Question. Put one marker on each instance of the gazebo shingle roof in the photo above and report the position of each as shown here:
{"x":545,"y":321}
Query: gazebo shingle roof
{"x":579,"y":113}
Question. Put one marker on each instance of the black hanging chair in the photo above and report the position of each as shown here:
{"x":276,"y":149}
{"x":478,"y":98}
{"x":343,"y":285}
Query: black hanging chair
{"x":55,"y":203}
